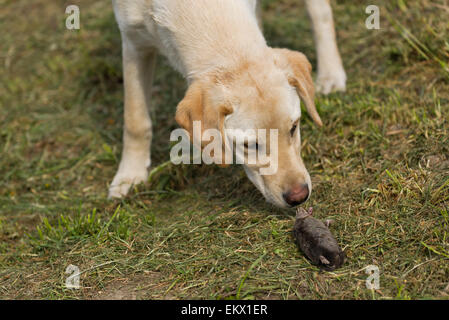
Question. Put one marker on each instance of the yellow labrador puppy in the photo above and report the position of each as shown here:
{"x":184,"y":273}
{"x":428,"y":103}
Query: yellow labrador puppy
{"x":235,"y":82}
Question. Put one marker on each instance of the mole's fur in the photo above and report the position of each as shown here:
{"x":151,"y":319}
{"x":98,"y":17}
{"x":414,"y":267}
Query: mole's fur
{"x":316,"y":241}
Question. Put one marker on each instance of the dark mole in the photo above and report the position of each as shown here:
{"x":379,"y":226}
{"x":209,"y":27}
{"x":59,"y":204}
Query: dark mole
{"x":316,"y":241}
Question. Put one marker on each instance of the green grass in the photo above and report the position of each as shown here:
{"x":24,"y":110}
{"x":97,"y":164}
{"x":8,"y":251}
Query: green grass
{"x":380,"y":167}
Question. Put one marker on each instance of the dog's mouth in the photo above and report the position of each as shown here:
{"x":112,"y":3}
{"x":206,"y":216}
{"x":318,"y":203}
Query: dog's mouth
{"x":275,"y":197}
{"x":259,"y":182}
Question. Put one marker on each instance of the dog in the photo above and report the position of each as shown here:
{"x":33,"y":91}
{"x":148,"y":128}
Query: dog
{"x":235,"y":80}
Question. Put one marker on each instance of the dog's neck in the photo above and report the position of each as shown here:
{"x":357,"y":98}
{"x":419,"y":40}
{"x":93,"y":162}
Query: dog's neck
{"x":203,"y":35}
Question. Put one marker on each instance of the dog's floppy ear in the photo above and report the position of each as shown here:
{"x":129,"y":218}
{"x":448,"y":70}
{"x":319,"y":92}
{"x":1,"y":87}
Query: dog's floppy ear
{"x":191,"y":108}
{"x":197,"y":106}
{"x":298,"y":70}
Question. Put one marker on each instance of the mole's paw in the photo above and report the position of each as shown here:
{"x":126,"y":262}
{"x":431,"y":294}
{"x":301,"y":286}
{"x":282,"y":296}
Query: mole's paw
{"x":328,"y":222}
{"x":324,"y":260}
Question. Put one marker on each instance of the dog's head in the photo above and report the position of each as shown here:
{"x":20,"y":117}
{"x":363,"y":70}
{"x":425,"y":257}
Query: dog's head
{"x":263,"y":93}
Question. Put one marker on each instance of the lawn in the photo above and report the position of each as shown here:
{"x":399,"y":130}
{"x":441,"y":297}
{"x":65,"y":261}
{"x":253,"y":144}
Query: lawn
{"x":379,"y":166}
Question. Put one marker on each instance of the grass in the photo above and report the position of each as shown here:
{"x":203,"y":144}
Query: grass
{"x":380,"y":167}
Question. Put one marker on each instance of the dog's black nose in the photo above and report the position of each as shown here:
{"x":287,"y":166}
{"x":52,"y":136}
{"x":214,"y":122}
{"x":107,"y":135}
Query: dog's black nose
{"x":297,"y":195}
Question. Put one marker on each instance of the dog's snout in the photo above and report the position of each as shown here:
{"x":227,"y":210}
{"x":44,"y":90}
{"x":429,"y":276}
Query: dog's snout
{"x":297,"y":195}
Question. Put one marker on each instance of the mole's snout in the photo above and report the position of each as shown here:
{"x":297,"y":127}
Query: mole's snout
{"x":297,"y":195}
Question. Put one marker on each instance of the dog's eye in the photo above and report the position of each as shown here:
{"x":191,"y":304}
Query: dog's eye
{"x":293,"y":129}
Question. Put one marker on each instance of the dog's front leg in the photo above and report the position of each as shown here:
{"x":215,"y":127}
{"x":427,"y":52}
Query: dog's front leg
{"x":331,"y":74}
{"x":138,"y":69}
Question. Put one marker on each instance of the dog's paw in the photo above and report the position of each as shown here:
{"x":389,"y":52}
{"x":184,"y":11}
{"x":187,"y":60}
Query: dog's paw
{"x":331,"y":80}
{"x":124,"y":180}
